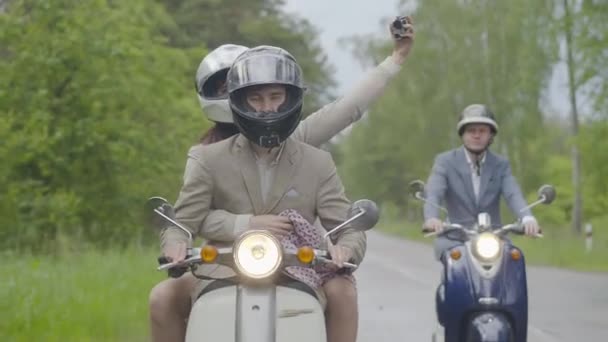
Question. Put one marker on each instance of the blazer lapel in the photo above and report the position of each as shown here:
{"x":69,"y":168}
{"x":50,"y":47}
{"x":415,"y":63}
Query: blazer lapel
{"x":283,"y":175}
{"x":487,"y":170}
{"x":251,"y":175}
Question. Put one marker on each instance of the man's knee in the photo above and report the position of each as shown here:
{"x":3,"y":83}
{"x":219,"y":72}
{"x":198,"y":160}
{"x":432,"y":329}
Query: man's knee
{"x":161,"y":297}
{"x":170,"y":295}
{"x":340,"y":290}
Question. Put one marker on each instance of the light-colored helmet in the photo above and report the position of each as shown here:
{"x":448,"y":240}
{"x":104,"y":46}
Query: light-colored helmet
{"x":476,"y":114}
{"x":212,"y":71}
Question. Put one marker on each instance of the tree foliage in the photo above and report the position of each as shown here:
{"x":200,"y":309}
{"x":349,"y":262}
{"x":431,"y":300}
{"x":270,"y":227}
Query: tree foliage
{"x":252,"y":23}
{"x":93,"y":115}
{"x":491,"y":52}
{"x":98,"y":106}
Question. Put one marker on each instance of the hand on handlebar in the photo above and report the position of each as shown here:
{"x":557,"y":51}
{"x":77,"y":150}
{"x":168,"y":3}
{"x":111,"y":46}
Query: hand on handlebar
{"x":531,"y":227}
{"x":175,"y":252}
{"x":339,"y":254}
{"x":432,"y":225}
{"x":173,"y":255}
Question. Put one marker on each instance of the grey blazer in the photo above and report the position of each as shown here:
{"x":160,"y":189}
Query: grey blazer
{"x":450,"y":184}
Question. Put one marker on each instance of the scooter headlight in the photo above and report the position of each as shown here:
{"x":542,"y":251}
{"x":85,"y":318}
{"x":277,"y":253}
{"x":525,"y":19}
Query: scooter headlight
{"x":257,"y":255}
{"x":487,"y":246}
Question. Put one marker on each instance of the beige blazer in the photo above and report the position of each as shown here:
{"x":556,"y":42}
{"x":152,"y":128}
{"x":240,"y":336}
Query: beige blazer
{"x":225,"y":176}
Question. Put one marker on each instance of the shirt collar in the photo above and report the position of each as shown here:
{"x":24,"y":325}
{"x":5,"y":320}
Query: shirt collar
{"x":470,"y":160}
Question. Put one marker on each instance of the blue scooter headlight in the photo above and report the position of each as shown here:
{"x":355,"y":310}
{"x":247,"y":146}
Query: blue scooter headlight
{"x":487,"y":247}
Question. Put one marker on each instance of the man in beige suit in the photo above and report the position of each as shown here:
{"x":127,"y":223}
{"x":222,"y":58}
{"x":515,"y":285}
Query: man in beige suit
{"x":263,"y":171}
{"x":167,"y":313}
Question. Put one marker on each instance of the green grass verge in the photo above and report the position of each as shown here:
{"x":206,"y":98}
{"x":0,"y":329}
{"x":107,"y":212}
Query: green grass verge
{"x":94,"y":296}
{"x":558,"y":247}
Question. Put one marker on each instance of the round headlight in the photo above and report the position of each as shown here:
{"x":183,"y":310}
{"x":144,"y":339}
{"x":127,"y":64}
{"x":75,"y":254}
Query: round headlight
{"x":258,"y":255}
{"x":487,"y":246}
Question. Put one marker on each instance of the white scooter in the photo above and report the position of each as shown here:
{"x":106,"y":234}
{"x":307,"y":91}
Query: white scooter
{"x":259,"y":304}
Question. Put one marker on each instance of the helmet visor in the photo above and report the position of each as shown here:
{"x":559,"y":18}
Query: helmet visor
{"x":214,"y":87}
{"x":264,"y":69}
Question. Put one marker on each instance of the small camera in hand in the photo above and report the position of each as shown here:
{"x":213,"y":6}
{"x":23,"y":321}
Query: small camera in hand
{"x":398,"y":27}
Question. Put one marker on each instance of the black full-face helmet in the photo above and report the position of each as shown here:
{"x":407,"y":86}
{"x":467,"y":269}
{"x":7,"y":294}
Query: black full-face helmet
{"x":264,"y":66}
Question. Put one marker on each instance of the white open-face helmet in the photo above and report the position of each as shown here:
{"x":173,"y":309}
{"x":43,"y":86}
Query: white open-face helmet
{"x":476,"y":114}
{"x":211,"y":82}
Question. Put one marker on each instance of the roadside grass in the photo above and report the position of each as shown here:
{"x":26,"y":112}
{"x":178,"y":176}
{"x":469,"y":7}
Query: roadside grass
{"x":90,"y":296}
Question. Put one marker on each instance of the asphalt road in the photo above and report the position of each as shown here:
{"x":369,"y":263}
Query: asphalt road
{"x":397,"y":282}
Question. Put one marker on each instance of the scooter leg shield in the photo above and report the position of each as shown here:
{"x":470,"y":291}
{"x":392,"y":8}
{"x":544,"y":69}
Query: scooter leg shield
{"x":212,"y":316}
{"x":439,"y":302}
{"x":489,"y":327}
{"x":300,"y":316}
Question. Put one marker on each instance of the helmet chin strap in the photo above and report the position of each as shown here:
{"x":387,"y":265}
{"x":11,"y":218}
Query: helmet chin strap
{"x":269,"y":141}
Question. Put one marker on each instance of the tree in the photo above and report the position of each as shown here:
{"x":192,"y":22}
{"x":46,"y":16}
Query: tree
{"x":93,"y":111}
{"x":591,"y":42}
{"x":572,"y":87}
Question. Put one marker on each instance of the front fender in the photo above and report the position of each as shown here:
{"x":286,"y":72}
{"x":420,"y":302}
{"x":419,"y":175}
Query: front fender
{"x":465,"y":285}
{"x":489,"y":327}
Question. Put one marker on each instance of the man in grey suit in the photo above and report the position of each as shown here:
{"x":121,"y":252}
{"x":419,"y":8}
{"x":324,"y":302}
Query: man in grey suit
{"x":470,"y":180}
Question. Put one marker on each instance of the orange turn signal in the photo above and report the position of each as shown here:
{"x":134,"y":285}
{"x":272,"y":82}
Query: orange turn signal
{"x":208,"y":253}
{"x":306,"y":255}
{"x":515,"y":254}
{"x":455,"y":254}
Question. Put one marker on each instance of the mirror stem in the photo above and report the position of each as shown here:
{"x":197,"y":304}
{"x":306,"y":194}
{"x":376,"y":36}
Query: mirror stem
{"x":540,"y":200}
{"x":420,"y":197}
{"x":174,"y":222}
{"x":361,"y":212}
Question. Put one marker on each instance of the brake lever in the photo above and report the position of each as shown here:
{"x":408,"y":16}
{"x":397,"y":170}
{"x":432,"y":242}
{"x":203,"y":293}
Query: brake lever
{"x":172,"y":270}
{"x":348,"y":265}
{"x":431,"y":234}
{"x":428,"y":232}
{"x":168,"y":266}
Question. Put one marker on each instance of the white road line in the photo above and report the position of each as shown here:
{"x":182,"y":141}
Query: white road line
{"x":537,"y":332}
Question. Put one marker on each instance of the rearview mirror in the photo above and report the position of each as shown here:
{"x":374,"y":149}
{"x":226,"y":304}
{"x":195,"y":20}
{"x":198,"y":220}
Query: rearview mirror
{"x":369,"y":214}
{"x":363,"y":212}
{"x":416,"y":189}
{"x":546,"y":193}
{"x":159,"y":214}
{"x":152,"y":218}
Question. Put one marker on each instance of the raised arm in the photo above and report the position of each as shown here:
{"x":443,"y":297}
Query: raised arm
{"x":328,"y":121}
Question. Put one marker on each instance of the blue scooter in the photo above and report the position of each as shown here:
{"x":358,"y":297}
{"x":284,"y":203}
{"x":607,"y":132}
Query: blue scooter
{"x":483,"y":296}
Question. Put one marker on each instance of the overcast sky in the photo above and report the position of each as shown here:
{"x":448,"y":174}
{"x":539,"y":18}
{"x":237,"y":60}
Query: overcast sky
{"x":335,"y":19}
